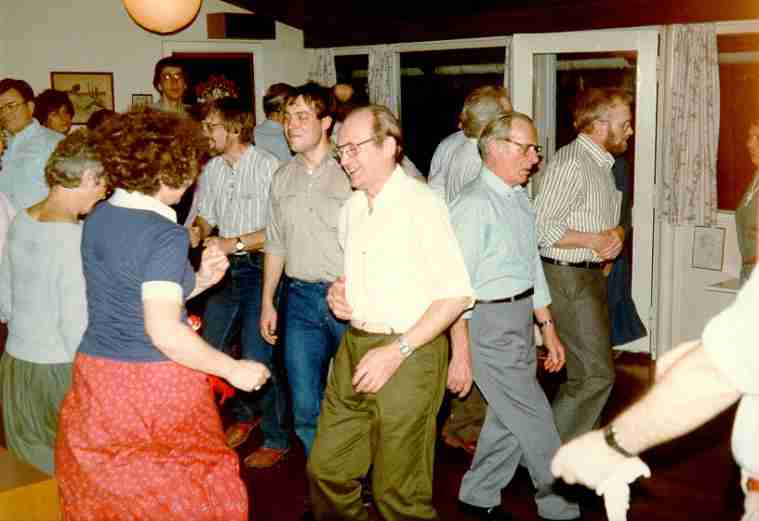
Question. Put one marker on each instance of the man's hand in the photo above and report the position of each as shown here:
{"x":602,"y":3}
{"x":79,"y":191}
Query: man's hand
{"x":556,"y":351}
{"x":213,"y":265}
{"x":376,"y":367}
{"x":587,"y":460}
{"x":268,"y":323}
{"x":337,"y":300}
{"x":460,"y":373}
{"x":225,"y":245}
{"x":611,"y":244}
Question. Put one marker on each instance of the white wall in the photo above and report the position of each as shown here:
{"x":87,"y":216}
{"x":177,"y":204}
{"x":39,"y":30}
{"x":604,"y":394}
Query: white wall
{"x":37,"y":37}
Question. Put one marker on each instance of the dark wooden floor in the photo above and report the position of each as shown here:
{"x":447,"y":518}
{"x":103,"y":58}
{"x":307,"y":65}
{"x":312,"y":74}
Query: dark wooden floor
{"x":694,"y":478}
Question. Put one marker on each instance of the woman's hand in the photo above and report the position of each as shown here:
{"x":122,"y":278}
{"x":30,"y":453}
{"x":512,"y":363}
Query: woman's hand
{"x":248,"y":375}
{"x":213,"y":265}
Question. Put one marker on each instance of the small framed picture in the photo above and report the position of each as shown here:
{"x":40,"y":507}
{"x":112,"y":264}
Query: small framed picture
{"x":708,"y":248}
{"x":141,"y":100}
{"x":88,"y":91}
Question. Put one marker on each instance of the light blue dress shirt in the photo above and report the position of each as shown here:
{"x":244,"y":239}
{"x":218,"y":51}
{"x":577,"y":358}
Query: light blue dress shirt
{"x":270,"y":136}
{"x":23,"y":176}
{"x":495,"y":226}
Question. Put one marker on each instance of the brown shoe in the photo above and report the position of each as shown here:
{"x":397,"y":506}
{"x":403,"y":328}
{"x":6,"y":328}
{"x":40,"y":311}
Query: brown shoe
{"x":264,"y":457}
{"x":459,"y":443}
{"x":239,"y":432}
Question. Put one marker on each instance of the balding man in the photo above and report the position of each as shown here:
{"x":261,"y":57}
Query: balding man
{"x":389,"y":376}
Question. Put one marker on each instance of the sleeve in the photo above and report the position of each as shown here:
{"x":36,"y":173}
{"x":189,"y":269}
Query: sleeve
{"x":274,"y":243}
{"x":72,"y":296}
{"x":559,"y":191}
{"x":269,"y":171}
{"x":448,"y":276}
{"x":542,"y":292}
{"x":467,"y":226}
{"x":206,"y":199}
{"x":6,"y":300}
{"x":436,"y":177}
{"x":730,"y":338}
{"x":165,"y":265}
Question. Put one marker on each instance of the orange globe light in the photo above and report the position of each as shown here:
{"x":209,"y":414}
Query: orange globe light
{"x":162,"y":16}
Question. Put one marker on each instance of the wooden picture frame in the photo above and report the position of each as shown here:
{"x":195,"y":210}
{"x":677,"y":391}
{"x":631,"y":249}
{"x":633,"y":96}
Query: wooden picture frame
{"x":141,"y":100}
{"x":88,"y":91}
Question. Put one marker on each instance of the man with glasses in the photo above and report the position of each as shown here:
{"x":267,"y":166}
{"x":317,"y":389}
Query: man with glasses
{"x":28,"y":147}
{"x":482,"y":105}
{"x":301,"y":241}
{"x":405,"y":284}
{"x":170,"y":80}
{"x":234,"y":195}
{"x":495,"y":225}
{"x":578,"y":213}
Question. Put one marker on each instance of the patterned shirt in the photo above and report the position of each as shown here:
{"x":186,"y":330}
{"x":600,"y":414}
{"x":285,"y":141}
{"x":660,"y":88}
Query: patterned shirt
{"x":236,"y":197}
{"x":23,"y":174}
{"x":576,"y":191}
{"x":464,"y":166}
{"x":495,"y":226}
{"x":441,"y":160}
{"x":303,"y":216}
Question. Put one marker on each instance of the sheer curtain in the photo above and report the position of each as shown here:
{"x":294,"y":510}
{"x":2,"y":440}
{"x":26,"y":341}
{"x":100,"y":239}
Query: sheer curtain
{"x":385,"y":77}
{"x":690,"y":126}
{"x":323,"y":69}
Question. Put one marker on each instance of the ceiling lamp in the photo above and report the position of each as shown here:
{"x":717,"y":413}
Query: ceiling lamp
{"x":162,"y":16}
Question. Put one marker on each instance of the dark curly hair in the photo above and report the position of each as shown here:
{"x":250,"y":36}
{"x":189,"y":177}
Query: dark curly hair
{"x":144,"y":148}
{"x":50,"y":100}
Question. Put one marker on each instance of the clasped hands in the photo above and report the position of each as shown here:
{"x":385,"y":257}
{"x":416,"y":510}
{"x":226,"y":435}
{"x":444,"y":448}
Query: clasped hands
{"x":608,"y":243}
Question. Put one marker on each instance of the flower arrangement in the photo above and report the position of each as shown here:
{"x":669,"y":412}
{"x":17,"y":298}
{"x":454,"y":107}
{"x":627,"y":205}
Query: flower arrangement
{"x":217,"y":86}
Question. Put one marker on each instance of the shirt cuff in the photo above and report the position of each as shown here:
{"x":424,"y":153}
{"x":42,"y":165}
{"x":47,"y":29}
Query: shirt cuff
{"x":162,"y":289}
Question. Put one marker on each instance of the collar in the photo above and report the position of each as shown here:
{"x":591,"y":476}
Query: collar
{"x":394,"y":187}
{"x":497,"y":184}
{"x":326,"y":160}
{"x":28,"y":130}
{"x":140,"y":201}
{"x":601,"y":156}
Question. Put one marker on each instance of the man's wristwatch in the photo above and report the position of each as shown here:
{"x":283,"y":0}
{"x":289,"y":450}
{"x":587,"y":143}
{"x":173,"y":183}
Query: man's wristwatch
{"x":239,"y":245}
{"x":405,"y":349}
{"x":610,"y":437}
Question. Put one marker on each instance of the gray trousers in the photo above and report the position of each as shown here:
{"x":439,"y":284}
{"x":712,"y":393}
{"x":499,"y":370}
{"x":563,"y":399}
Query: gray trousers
{"x":519,"y":426}
{"x":581,"y":313}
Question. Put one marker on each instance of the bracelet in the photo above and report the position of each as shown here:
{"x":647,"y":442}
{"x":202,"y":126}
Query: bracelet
{"x":610,"y":437}
{"x":545,"y":323}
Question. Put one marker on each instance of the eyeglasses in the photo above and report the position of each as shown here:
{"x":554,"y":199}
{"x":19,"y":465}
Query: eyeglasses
{"x":176,"y":76}
{"x":524,"y":147}
{"x":350,"y":149}
{"x":625,"y":125}
{"x":303,"y":116}
{"x":10,"y":107}
{"x":208,"y":127}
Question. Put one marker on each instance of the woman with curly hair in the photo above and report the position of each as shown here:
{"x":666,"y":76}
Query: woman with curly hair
{"x":139,"y":434}
{"x":42,"y":295}
{"x":54,"y":110}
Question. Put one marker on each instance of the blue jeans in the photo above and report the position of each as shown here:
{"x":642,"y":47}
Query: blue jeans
{"x":235,"y":306}
{"x":312,"y":335}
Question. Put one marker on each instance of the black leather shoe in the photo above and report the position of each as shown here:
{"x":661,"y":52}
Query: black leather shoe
{"x":495,"y":513}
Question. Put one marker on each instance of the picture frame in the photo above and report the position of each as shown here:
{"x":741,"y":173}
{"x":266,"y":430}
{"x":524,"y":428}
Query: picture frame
{"x":141,"y":100}
{"x":88,"y":91}
{"x":708,"y":248}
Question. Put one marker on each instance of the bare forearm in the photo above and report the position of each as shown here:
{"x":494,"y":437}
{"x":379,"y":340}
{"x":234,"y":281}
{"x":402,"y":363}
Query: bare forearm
{"x":460,"y":338}
{"x":575,"y":239}
{"x":274,"y":266}
{"x":690,"y":393}
{"x":436,"y":319}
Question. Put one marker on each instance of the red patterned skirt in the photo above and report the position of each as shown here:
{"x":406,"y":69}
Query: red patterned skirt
{"x":144,"y":441}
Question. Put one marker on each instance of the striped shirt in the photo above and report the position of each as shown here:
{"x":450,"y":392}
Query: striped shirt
{"x":236,"y":197}
{"x":576,"y":191}
{"x":441,"y":160}
{"x":464,"y":166}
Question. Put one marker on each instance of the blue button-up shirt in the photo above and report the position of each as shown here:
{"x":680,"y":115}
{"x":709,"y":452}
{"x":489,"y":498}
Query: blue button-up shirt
{"x":22,"y":178}
{"x":495,"y":226}
{"x":270,"y":136}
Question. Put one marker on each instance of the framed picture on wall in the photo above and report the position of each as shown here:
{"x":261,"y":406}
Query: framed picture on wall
{"x":708,"y":248}
{"x":141,"y":100}
{"x":88,"y":91}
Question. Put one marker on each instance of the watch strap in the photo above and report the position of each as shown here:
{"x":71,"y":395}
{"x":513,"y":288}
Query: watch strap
{"x":610,"y":437}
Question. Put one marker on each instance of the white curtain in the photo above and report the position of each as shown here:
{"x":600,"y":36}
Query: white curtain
{"x":690,"y":126}
{"x":385,"y":77}
{"x":323,"y":67}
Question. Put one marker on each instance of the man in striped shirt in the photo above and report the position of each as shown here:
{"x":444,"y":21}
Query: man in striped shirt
{"x":578,"y":207}
{"x":233,"y":197}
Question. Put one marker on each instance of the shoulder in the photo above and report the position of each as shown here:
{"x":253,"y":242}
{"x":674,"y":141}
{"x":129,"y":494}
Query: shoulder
{"x":213,"y":167}
{"x":258,"y":154}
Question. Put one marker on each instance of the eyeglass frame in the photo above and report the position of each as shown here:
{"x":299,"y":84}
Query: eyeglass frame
{"x":524,"y":147}
{"x":340,"y":150}
{"x":172,"y":76}
{"x":208,"y":127}
{"x":11,"y":107}
{"x":626,"y":125}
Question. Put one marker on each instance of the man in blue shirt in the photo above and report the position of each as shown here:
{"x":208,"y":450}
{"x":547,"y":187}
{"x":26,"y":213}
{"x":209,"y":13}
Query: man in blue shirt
{"x":270,"y":135}
{"x":495,"y":224}
{"x":28,"y":148}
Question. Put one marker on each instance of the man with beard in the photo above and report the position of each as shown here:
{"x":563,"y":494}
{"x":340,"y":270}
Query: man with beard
{"x":301,"y":240}
{"x":234,"y":194}
{"x":578,"y":209}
